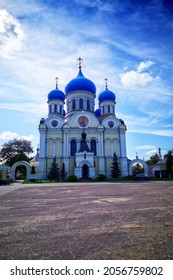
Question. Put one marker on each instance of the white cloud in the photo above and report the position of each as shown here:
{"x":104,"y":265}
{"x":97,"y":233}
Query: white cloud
{"x":152,"y":152}
{"x":8,"y":135}
{"x":144,"y":65}
{"x":31,"y":108}
{"x":99,"y":4}
{"x":137,"y":77}
{"x":11,"y":34}
{"x":145,"y":147}
{"x":133,"y":78}
{"x":144,"y":125}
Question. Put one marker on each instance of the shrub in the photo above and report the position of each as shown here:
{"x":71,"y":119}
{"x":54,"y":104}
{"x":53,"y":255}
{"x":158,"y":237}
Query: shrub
{"x":32,"y":180}
{"x":4,"y":182}
{"x":101,"y":177}
{"x":72,"y":178}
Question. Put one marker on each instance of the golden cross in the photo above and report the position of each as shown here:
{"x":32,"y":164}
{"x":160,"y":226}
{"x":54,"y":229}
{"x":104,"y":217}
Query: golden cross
{"x":56,"y":81}
{"x":106,"y":83}
{"x":80,"y":61}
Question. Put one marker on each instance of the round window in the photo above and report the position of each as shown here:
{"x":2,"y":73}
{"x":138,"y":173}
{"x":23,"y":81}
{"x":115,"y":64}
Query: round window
{"x":54,"y":123}
{"x":111,"y":124}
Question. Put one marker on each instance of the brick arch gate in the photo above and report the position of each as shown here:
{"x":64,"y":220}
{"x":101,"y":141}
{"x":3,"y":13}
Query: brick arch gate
{"x":142,"y":162}
{"x":16,"y":164}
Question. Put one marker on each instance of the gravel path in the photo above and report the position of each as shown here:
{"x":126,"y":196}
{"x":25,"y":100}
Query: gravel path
{"x":88,"y":221}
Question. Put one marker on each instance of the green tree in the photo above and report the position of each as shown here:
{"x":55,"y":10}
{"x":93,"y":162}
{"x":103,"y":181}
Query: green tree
{"x":169,"y":163}
{"x":63,"y":172}
{"x":54,"y":171}
{"x":115,"y":167}
{"x":153,"y":159}
{"x":15,"y":150}
{"x":33,"y":171}
{"x":137,"y":169}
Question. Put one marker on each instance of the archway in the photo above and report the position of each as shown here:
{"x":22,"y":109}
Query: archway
{"x":23,"y":163}
{"x":85,"y":171}
{"x":20,"y":172}
{"x":138,"y":161}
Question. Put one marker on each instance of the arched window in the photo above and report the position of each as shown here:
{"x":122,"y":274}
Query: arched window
{"x":73,"y":104}
{"x":88,"y":104}
{"x":93,"y":147}
{"x":73,"y":147}
{"x":108,"y":109}
{"x":80,"y":103}
{"x":60,"y":109}
{"x":55,"y":108}
{"x":68,"y":106}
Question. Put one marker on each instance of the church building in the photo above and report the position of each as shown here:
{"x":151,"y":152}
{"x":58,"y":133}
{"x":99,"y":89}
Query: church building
{"x":83,"y":138}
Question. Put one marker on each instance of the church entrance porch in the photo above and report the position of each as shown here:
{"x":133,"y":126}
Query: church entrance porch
{"x":85,"y":171}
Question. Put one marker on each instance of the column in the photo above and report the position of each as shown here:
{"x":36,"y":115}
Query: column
{"x":123,"y":155}
{"x":53,"y":148}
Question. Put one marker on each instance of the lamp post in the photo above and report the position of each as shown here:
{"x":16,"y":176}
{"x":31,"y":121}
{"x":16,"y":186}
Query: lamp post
{"x":160,"y":156}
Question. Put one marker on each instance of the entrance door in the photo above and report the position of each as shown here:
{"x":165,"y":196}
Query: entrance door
{"x":85,"y":171}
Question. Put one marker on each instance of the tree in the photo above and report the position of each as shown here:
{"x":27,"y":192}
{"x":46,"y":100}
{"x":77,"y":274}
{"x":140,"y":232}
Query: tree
{"x":15,"y":150}
{"x":115,"y":167}
{"x":153,"y":159}
{"x":137,"y":169}
{"x":54,"y":171}
{"x":63,"y":172}
{"x":33,"y":171}
{"x":169,"y":163}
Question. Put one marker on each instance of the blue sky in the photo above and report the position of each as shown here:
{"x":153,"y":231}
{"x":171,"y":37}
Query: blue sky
{"x":129,"y":42}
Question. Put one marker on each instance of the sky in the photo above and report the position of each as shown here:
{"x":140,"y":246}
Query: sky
{"x":128,"y":42}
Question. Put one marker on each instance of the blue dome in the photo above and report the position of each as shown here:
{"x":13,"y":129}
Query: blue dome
{"x":56,"y":94}
{"x":106,"y":95}
{"x":97,"y":113}
{"x":80,"y":83}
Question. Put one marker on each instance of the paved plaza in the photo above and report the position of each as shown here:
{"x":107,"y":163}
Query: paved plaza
{"x":99,"y":221}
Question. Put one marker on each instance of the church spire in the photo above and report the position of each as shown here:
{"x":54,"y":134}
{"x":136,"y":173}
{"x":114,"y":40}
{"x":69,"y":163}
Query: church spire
{"x":80,"y":62}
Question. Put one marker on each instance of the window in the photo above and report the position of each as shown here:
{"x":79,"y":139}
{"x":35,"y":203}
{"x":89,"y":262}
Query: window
{"x":88,"y":104}
{"x":68,"y":106}
{"x":55,"y":108}
{"x":60,"y":109}
{"x":73,"y":147}
{"x":93,"y":147}
{"x":103,"y":109}
{"x":73,"y":104}
{"x":108,"y":109}
{"x":80,"y":103}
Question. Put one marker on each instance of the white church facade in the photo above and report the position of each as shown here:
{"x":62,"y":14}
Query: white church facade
{"x":83,"y":138}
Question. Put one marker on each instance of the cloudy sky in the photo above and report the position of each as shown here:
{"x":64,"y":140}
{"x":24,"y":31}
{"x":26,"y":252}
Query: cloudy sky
{"x":129,"y":42}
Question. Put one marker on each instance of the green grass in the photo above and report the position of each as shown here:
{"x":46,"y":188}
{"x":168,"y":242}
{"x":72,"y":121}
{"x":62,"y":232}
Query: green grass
{"x":124,"y":179}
